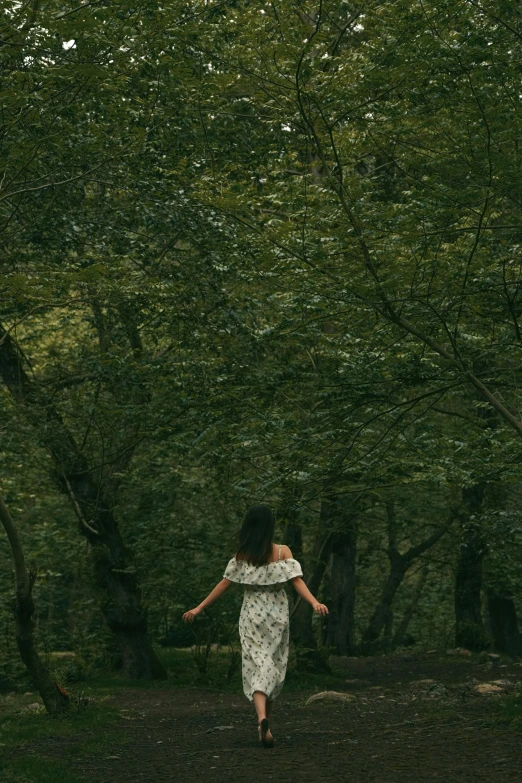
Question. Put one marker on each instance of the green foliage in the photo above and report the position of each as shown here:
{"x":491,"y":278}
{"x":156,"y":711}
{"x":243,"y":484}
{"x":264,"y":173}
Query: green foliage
{"x":259,"y":256}
{"x":18,"y":727}
{"x":509,"y":713}
{"x":306,"y":660}
{"x":37,"y":770}
{"x":473,"y":636}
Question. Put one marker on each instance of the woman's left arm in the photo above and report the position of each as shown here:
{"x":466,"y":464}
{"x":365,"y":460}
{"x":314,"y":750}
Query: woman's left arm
{"x":305,"y":593}
{"x":216,"y":593}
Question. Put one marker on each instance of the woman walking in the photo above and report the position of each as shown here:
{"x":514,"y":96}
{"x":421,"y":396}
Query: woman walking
{"x":263,"y":568}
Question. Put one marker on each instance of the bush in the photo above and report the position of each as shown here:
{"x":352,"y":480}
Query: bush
{"x":472,"y":636}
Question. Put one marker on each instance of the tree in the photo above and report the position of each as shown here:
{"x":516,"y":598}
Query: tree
{"x":54,"y":696}
{"x":389,"y":185}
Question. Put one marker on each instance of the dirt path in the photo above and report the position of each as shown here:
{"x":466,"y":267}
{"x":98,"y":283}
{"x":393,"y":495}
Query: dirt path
{"x":396,"y":730}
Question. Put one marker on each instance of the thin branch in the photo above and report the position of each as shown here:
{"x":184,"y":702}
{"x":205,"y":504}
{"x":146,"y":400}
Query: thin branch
{"x":77,"y":507}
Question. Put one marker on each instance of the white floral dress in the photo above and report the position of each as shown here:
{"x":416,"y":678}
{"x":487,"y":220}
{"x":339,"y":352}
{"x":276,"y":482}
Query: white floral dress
{"x":264,"y":622}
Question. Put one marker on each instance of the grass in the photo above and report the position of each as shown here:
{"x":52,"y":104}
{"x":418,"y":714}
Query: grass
{"x":17,"y":726}
{"x":509,"y":712}
{"x":23,"y":736}
{"x":297,"y":682}
{"x":183,"y":674}
{"x":29,"y":738}
{"x":31,"y":770}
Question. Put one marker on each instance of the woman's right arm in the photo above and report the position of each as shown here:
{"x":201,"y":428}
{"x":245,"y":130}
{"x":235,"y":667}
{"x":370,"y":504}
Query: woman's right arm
{"x":216,"y":593}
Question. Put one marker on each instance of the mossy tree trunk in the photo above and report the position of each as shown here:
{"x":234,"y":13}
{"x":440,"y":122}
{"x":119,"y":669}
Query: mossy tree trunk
{"x":341,"y":586}
{"x":400,"y":563}
{"x":503,"y":622}
{"x":93,"y":500}
{"x":399,"y":637}
{"x":54,"y":697}
{"x":469,"y":627}
{"x":309,"y":657}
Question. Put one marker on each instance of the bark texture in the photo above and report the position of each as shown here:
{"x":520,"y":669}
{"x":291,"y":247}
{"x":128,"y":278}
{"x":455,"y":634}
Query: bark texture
{"x":469,"y":627}
{"x":503,"y":622}
{"x":93,"y":502}
{"x":54,"y":697}
{"x":341,"y":581}
{"x":308,"y":656}
{"x":399,"y":638}
{"x":399,"y":565}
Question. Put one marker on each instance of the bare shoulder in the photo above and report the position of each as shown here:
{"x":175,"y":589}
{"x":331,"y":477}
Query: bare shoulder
{"x":286,"y":552}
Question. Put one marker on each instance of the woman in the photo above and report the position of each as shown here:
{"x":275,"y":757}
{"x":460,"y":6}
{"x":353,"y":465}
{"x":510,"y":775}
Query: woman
{"x":263,"y":567}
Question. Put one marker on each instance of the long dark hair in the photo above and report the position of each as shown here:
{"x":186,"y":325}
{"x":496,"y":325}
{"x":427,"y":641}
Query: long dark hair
{"x":255,"y":536}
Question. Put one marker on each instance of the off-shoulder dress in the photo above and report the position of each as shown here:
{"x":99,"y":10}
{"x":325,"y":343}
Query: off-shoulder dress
{"x":264,"y":622}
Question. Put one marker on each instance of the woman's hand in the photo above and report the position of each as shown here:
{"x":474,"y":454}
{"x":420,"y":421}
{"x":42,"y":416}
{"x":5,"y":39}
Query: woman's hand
{"x":189,"y":616}
{"x":320,"y":608}
{"x":214,"y":594}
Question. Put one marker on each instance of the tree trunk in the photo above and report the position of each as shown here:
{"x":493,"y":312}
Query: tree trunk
{"x":400,"y":635}
{"x":93,"y":506}
{"x":341,"y":630}
{"x":388,"y":629}
{"x":504,"y":624}
{"x":399,"y":565}
{"x":293,"y":538}
{"x":300,"y":629}
{"x":121,"y":604}
{"x":54,"y":697}
{"x":469,"y":628}
{"x":309,"y":657}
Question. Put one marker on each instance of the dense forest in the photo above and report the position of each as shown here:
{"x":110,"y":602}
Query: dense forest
{"x":259,"y":252}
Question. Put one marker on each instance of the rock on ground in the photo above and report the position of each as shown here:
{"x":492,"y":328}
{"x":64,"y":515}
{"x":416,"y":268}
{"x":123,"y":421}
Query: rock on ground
{"x":331,"y":696}
{"x":488,"y":687}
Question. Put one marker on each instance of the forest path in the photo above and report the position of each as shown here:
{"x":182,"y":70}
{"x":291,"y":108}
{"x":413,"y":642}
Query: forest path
{"x":412,"y":721}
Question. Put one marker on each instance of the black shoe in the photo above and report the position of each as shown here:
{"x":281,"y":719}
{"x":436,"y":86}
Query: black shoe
{"x":265,"y":734}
